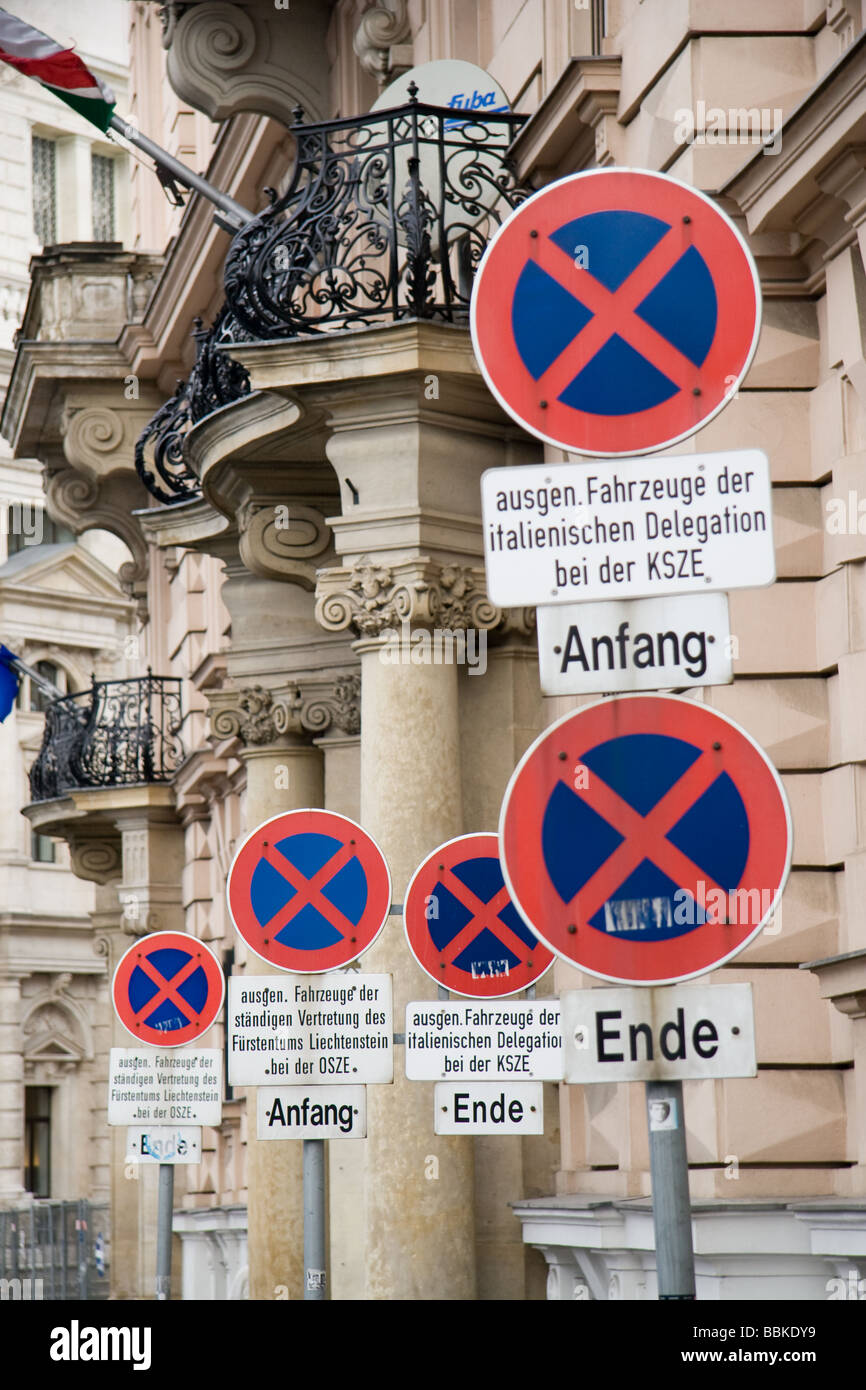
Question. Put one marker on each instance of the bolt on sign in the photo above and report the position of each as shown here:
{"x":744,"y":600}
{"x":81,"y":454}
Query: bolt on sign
{"x":335,"y":1029}
{"x":647,"y":839}
{"x":616,"y":311}
{"x":638,"y":644}
{"x":484,"y":1041}
{"x":309,"y":891}
{"x":149,"y":1087}
{"x":639,"y":528}
{"x":462,"y":927}
{"x":685,"y":1032}
{"x":168,"y":989}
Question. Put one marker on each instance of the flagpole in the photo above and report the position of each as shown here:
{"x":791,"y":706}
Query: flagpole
{"x":231,"y":215}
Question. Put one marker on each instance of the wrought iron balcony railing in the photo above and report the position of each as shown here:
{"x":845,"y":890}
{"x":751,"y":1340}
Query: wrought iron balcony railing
{"x":215,"y":380}
{"x":385,"y":218}
{"x":117,"y":734}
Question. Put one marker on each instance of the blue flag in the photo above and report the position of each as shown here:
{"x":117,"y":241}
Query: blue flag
{"x":8,"y":682}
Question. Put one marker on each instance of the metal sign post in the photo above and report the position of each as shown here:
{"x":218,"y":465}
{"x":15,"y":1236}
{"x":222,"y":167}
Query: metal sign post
{"x":672,"y":1216}
{"x":163,"y":1232}
{"x":315,"y":1272}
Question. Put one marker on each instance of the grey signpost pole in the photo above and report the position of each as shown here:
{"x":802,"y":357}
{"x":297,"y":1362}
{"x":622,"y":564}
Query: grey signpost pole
{"x":163,"y":1231}
{"x":672,"y":1217}
{"x":315,"y":1270}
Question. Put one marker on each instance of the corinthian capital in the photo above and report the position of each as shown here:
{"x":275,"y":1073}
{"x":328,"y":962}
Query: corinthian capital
{"x":245,"y":714}
{"x":375,"y":599}
{"x":319,"y":707}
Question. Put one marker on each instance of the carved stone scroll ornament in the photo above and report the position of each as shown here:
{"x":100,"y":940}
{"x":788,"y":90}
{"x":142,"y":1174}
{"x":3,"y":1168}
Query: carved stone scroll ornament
{"x":250,"y":717}
{"x":319,"y":709}
{"x":380,"y":28}
{"x":257,"y":716}
{"x":281,"y":540}
{"x":378,"y":599}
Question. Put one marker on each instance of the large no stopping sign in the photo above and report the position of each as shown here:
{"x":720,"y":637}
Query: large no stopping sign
{"x":646,"y":839}
{"x":309,"y":891}
{"x":168,"y":989}
{"x":615,"y":312}
{"x":462,"y":927}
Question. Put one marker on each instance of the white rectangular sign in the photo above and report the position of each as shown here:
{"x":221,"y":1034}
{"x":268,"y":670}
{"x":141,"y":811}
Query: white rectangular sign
{"x":627,"y":528}
{"x":481,"y":1107}
{"x":638,"y":644}
{"x":310,"y":1029}
{"x":676,"y":1033}
{"x":164,"y":1144}
{"x":484,"y":1040}
{"x":311,"y":1112}
{"x":153,"y":1086}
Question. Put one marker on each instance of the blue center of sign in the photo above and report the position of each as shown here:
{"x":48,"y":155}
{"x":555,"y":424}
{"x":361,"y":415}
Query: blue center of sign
{"x":312,"y":925}
{"x":486,"y":953}
{"x":648,"y":905}
{"x":167,"y":1013}
{"x":547,"y":314}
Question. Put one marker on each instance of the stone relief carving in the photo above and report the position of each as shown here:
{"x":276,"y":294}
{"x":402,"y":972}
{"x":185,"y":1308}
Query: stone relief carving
{"x":380,"y":28}
{"x":225,"y":58}
{"x":257,"y":716}
{"x":317,"y":709}
{"x":96,"y":860}
{"x":375,"y":598}
{"x":279,"y":540}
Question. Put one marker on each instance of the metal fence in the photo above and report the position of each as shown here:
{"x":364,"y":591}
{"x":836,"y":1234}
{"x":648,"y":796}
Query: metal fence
{"x":55,"y":1251}
{"x":118,"y":733}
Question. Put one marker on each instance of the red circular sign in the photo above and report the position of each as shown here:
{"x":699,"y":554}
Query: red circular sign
{"x":462,"y":927}
{"x":309,"y":891}
{"x":647,"y":839}
{"x":615,"y":312}
{"x":168,"y":989}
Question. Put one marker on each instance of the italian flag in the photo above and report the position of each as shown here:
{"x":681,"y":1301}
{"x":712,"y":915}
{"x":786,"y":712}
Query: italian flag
{"x":60,"y":70}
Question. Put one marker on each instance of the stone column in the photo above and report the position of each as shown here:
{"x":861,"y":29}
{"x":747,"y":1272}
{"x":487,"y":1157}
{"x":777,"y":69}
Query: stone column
{"x":11,"y":1089}
{"x":284,"y":773}
{"x":419,"y":1188}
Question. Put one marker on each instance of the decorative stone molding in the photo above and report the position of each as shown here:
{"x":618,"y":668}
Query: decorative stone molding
{"x":249,"y":716}
{"x":225,"y":58}
{"x":258,"y":716}
{"x":55,"y":1027}
{"x":318,"y":709}
{"x":377,"y":599}
{"x":96,"y":860}
{"x":83,"y":502}
{"x":380,"y":29}
{"x":278,"y":540}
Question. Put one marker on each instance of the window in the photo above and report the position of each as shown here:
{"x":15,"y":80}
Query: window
{"x":37,"y":1140}
{"x":102,"y":194}
{"x":44,"y":190}
{"x":39,"y":700}
{"x":42,"y":848}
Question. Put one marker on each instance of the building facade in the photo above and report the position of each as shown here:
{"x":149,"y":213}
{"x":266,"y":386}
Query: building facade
{"x":65,"y":613}
{"x":313,"y":483}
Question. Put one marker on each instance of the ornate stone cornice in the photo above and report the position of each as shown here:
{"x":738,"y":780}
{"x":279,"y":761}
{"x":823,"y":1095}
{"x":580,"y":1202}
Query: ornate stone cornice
{"x":380,"y":29}
{"x":376,"y":600}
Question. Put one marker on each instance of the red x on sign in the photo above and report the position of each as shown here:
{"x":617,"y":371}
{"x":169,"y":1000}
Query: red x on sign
{"x":309,"y":891}
{"x":646,"y":839}
{"x":462,"y":926}
{"x":168,"y":989}
{"x":615,"y":312}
